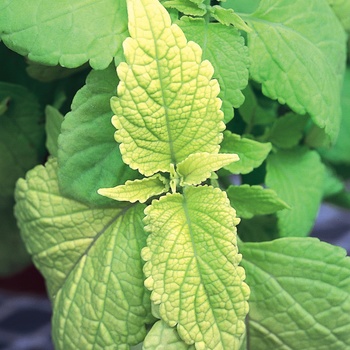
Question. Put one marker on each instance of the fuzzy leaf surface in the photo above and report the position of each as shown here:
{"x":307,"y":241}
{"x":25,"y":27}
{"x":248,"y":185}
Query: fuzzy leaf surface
{"x":198,"y":167}
{"x":300,"y":295}
{"x":298,"y":61}
{"x":91,"y":261}
{"x":163,"y":335}
{"x":65,"y":32}
{"x":137,"y":190}
{"x":165,"y":91}
{"x":224,"y":47}
{"x":254,"y":200}
{"x":88,"y":156}
{"x":251,"y":153}
{"x":192,"y":267}
{"x":297,"y":176}
{"x":342,"y":9}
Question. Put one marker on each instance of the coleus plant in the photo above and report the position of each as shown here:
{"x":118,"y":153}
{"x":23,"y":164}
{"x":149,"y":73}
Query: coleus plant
{"x":136,"y":237}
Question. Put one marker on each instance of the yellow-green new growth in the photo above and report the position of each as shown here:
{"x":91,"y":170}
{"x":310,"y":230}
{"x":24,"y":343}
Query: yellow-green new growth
{"x":167,"y":106}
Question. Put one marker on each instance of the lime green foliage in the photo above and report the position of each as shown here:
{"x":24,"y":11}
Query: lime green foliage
{"x":91,"y":31}
{"x":254,"y":200}
{"x":165,"y":91}
{"x":251,"y":153}
{"x":304,"y":284}
{"x":287,"y":130}
{"x":224,"y":47}
{"x":182,"y":270}
{"x":137,"y":190}
{"x":161,"y":333}
{"x":91,"y":261}
{"x":286,"y":35}
{"x":89,"y":157}
{"x":132,"y":222}
{"x":297,"y":176}
{"x":340,"y":153}
{"x":198,"y":167}
{"x":53,"y":123}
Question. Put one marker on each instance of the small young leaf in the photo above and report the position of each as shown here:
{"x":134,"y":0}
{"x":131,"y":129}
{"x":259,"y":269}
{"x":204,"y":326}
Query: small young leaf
{"x":165,"y":91}
{"x":198,"y":167}
{"x":251,"y":153}
{"x":287,"y":130}
{"x":187,"y":7}
{"x":332,"y":184}
{"x":254,"y":200}
{"x":53,"y":123}
{"x":166,"y":337}
{"x":137,"y":190}
{"x":225,"y":48}
{"x":228,"y":17}
{"x":67,"y":33}
{"x":88,"y":156}
{"x":200,"y":289}
{"x":91,"y":261}
{"x":297,"y":176}
{"x":300,"y":295}
{"x":298,"y":61}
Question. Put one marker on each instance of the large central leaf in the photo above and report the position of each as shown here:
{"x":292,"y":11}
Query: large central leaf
{"x":192,"y":267}
{"x":167,"y":106}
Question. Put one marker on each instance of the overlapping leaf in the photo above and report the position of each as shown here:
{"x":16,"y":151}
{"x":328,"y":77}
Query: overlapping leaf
{"x":224,"y":47}
{"x":65,"y":32}
{"x":91,"y":261}
{"x":53,"y":124}
{"x":251,"y":153}
{"x":192,"y":267}
{"x":165,"y":91}
{"x":298,"y":61}
{"x":342,"y":9}
{"x":254,"y":200}
{"x":297,"y":176}
{"x":88,"y":156}
{"x":163,"y":335}
{"x":300,"y":295}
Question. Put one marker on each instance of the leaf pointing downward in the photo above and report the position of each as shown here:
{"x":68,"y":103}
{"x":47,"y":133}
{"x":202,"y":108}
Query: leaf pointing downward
{"x":165,"y":90}
{"x":192,"y":267}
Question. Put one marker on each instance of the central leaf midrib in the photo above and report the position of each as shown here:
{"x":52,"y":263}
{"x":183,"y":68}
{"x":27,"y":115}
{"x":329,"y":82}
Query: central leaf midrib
{"x":165,"y":107}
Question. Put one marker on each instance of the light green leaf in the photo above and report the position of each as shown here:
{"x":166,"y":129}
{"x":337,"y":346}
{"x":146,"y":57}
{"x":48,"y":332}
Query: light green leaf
{"x":297,"y":176}
{"x":187,"y":7}
{"x":300,"y":295}
{"x":228,"y":17}
{"x":91,"y":261}
{"x":161,"y":336}
{"x":53,"y":123}
{"x":224,"y":47}
{"x":200,"y":289}
{"x":64,"y":32}
{"x":137,"y":190}
{"x":167,"y":106}
{"x":241,"y":5}
{"x":89,"y":157}
{"x":298,"y":61}
{"x":287,"y":130}
{"x":340,"y":153}
{"x":342,"y":9}
{"x":254,"y":200}
{"x":332,"y":184}
{"x":198,"y":167}
{"x":251,"y":153}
